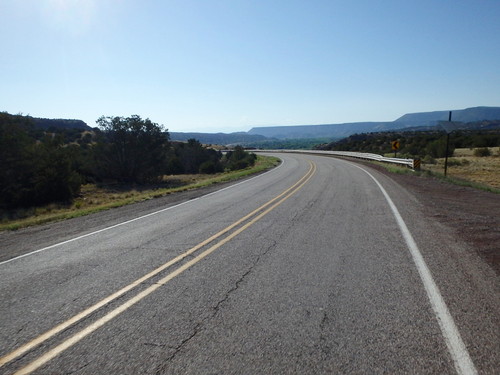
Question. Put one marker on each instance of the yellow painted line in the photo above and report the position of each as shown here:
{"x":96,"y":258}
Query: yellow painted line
{"x":112,"y":314}
{"x":47,"y":335}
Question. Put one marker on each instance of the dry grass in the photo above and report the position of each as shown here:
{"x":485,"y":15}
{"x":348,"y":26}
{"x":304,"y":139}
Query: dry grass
{"x":464,"y":165}
{"x":95,"y":198}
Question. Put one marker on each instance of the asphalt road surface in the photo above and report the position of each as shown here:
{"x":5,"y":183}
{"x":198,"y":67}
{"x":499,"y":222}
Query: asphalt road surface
{"x":318,"y":266}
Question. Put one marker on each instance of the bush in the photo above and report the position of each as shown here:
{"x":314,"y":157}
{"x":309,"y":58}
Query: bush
{"x":34,"y":172}
{"x":193,"y":157}
{"x":210,"y":167}
{"x":429,"y":160}
{"x":54,"y":180}
{"x":240,"y":159}
{"x":238,"y":164}
{"x":174,"y":166}
{"x":437,"y":148}
{"x":482,"y":152}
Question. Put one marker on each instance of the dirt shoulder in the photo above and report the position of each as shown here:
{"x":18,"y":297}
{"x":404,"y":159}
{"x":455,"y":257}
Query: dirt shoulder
{"x":473,"y":215}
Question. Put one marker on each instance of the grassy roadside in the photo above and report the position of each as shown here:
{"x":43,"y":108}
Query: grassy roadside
{"x":95,"y":198}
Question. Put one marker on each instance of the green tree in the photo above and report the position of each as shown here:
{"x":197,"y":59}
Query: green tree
{"x":54,"y":179}
{"x":195,"y":158}
{"x":131,"y":149}
{"x":239,"y":158}
{"x":33,"y":172}
{"x":15,"y":158}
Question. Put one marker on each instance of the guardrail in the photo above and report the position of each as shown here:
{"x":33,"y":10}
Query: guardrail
{"x":410,"y":163}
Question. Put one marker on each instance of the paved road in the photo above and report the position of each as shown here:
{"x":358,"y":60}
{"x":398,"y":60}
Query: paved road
{"x":305,"y":269}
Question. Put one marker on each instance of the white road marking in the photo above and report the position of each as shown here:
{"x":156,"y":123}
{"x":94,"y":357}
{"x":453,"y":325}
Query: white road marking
{"x":456,"y":347}
{"x":137,"y":218}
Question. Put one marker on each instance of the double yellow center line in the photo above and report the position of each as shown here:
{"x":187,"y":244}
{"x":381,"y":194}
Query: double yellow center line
{"x":249,"y":220}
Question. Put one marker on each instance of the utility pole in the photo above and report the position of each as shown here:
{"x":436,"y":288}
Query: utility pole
{"x":447,"y":147}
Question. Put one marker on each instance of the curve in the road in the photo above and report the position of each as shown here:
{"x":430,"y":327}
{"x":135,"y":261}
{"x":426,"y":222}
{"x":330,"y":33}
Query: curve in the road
{"x":132,"y":220}
{"x":250,"y":219}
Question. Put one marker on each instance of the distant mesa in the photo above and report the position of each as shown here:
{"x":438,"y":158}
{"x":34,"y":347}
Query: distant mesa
{"x":46,"y":123}
{"x":462,"y":115}
{"x":407,"y":121}
{"x":319,"y":131}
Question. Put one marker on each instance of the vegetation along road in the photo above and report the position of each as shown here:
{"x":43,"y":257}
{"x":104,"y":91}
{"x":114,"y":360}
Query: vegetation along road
{"x":318,"y":266}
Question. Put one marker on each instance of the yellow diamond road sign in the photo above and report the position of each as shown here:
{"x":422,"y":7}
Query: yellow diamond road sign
{"x":395,"y":145}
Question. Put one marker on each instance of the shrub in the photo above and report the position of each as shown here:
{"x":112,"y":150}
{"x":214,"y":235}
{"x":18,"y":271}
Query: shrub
{"x":240,"y":159}
{"x":482,"y":152}
{"x":210,"y":167}
{"x":174,"y":166}
{"x":437,"y":148}
{"x":429,"y":160}
{"x":35,"y":173}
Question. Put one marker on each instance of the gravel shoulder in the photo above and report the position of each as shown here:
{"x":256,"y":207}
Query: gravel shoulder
{"x":472,"y":214}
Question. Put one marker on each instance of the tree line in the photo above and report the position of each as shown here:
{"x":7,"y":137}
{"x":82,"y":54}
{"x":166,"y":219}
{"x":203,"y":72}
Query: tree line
{"x":416,"y":144}
{"x":41,"y":166}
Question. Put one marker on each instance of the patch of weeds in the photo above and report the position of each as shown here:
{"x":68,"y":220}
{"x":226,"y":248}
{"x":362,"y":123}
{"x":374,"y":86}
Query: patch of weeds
{"x":458,"y":162}
{"x":395,"y":168}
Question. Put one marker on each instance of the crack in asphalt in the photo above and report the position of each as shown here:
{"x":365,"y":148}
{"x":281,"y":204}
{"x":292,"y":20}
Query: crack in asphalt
{"x":324,"y":344}
{"x":78,"y":369}
{"x":158,"y":345}
{"x":215,"y":309}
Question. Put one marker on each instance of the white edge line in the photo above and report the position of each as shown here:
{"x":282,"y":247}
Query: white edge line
{"x":137,"y":218}
{"x":456,"y":347}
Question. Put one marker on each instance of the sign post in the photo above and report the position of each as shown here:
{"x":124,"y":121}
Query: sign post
{"x":395,"y":147}
{"x":448,"y":126}
{"x":447,"y":148}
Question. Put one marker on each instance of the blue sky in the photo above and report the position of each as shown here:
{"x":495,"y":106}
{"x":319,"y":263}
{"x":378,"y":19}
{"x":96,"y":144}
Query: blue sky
{"x":228,"y":65}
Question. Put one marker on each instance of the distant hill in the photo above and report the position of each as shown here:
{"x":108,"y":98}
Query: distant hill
{"x":474,"y":125}
{"x":406,"y":121}
{"x":218,"y":138}
{"x":46,"y":123}
{"x":320,"y":131}
{"x":462,"y":115}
